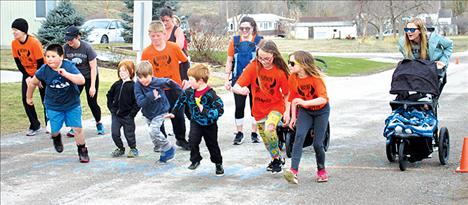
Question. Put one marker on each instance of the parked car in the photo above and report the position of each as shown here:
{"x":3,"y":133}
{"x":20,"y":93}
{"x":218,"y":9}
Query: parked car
{"x":385,"y":34}
{"x":104,"y":30}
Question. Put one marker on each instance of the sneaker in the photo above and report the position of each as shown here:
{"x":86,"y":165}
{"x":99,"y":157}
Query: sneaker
{"x":58,"y":145}
{"x":132,"y":153}
{"x":239,"y":138}
{"x":290,"y":176}
{"x":157,"y":149}
{"x":194,"y":165}
{"x":183,"y":144}
{"x":118,"y":152}
{"x":270,"y":165}
{"x":254,"y":137}
{"x":71,"y":133}
{"x":219,"y":170}
{"x":100,"y":128}
{"x":167,"y":155}
{"x":277,"y":166}
{"x":32,"y":132}
{"x":322,"y":176}
{"x":83,"y":154}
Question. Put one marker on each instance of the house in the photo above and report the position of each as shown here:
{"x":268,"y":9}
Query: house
{"x":33,"y":11}
{"x":324,"y":28}
{"x":445,"y":16}
{"x":268,"y":24}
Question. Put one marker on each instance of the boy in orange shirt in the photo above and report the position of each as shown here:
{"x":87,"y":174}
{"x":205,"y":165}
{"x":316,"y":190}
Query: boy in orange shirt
{"x":29,"y":57}
{"x":165,"y":57}
{"x":267,"y":76}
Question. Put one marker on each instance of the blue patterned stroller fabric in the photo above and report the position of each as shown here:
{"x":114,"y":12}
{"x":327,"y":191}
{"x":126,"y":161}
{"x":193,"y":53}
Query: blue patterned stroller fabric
{"x":410,"y":121}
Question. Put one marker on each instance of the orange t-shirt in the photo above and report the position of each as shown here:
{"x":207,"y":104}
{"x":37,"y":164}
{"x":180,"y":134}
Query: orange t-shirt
{"x":307,"y":88}
{"x":166,"y":62}
{"x":28,"y":53}
{"x":274,"y":88}
{"x":230,"y":51}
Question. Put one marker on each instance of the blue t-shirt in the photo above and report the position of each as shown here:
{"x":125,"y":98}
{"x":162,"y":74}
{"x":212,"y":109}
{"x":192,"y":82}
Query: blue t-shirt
{"x":60,"y":94}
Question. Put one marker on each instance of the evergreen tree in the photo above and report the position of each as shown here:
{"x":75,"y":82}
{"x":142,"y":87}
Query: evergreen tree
{"x":128,"y":17}
{"x":57,"y":21}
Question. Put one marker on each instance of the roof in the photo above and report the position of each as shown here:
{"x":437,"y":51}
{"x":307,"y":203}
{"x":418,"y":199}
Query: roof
{"x":316,"y":19}
{"x":263,"y":17}
{"x":324,"y":21}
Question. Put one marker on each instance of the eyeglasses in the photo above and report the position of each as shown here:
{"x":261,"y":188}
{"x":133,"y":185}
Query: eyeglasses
{"x":292,"y":63}
{"x":267,"y":59}
{"x":411,"y":30}
{"x":244,"y":28}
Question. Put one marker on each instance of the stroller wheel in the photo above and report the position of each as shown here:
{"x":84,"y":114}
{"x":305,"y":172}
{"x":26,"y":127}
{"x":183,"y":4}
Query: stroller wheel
{"x":391,"y":150}
{"x":444,"y":145}
{"x":402,"y":159}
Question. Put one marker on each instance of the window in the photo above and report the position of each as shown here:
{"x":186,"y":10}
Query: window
{"x":41,"y":8}
{"x":113,"y":25}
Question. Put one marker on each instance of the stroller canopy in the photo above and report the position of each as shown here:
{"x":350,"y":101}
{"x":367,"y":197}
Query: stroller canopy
{"x":415,"y":75}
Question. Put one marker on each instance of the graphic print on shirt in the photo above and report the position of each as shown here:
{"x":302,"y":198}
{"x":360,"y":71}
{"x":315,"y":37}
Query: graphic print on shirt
{"x":307,"y":91}
{"x":161,"y":62}
{"x":268,"y":87}
{"x":77,"y":58}
{"x":25,"y":57}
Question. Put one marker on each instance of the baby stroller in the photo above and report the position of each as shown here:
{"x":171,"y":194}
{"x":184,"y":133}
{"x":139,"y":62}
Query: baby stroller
{"x":412,"y":129}
{"x":287,"y":135}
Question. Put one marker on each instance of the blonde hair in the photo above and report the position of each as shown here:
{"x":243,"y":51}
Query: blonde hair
{"x":423,"y":43}
{"x":176,"y":20}
{"x":307,"y":62}
{"x":156,"y":26}
{"x":199,"y":71}
{"x":129,"y":66}
{"x":144,"y":68}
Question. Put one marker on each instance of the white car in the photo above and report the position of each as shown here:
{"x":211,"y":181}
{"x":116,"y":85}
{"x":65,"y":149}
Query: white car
{"x":104,"y":30}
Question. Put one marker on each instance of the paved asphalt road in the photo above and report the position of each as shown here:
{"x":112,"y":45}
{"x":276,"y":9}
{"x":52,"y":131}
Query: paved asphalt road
{"x":33,"y":173}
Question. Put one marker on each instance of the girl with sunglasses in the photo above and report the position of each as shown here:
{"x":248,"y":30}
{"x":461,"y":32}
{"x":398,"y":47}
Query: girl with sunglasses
{"x":267,"y":76}
{"x":308,"y":94}
{"x":418,"y":44}
{"x":241,"y":51}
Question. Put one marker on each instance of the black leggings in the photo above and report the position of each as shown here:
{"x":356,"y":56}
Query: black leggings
{"x":34,"y":123}
{"x":92,"y":101}
{"x":239,"y":101}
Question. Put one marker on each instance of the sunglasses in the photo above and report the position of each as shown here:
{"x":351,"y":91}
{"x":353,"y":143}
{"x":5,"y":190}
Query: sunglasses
{"x":411,"y":30}
{"x":244,"y":28}
{"x":264,"y":59}
{"x":292,"y":63}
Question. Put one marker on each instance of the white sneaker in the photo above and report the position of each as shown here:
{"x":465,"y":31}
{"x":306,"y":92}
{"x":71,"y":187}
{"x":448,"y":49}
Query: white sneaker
{"x":32,"y":132}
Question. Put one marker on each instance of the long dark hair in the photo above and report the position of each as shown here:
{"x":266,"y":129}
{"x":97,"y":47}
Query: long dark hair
{"x":252,"y":23}
{"x":269,"y":46}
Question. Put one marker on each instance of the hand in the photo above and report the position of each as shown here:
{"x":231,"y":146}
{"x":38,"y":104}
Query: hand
{"x":297,"y":101}
{"x":28,"y":80}
{"x":40,"y":85}
{"x":92,"y":91}
{"x":169,"y":115}
{"x":156,"y":94}
{"x":292,"y":124}
{"x":29,"y":101}
{"x":439,"y":64}
{"x":62,"y":71}
{"x":185,"y":84}
{"x":244,"y":91}
{"x":227,"y":85}
{"x":271,"y":127}
{"x":286,"y":119}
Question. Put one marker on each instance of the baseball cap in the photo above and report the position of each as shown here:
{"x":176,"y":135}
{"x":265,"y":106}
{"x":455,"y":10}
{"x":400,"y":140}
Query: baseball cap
{"x":71,"y":33}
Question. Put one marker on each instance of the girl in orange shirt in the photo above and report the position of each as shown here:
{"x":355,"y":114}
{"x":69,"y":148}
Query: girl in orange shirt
{"x":267,"y":76}
{"x":308,"y":94}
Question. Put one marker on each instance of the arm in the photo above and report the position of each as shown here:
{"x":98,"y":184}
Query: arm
{"x":215,"y":110}
{"x":135,"y":107}
{"x":228,"y":70}
{"x":31,"y":87}
{"x":181,"y":100}
{"x":142,"y":98}
{"x":110,"y":97}
{"x":180,"y":38}
{"x":447,"y":49}
{"x":240,"y":90}
{"x":93,"y":67}
{"x":20,"y":67}
{"x":287,"y":112}
{"x":308,"y":103}
{"x":74,"y":78}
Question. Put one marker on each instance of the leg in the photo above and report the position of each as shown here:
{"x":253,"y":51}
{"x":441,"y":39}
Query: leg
{"x":254,"y":124}
{"x":115,"y":131}
{"x":42,"y":93}
{"x":73,"y":119}
{"x":195,"y":136}
{"x":92,"y":101}
{"x":56,"y":122}
{"x":210,"y":134}
{"x":320,"y":127}
{"x":178,"y":123}
{"x":128,"y":123}
{"x":304,"y":122}
{"x":155,"y":133}
{"x":267,"y":130}
{"x":239,"y":101}
{"x":30,"y":110}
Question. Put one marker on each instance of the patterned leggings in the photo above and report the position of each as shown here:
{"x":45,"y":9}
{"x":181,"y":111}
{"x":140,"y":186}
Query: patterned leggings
{"x":269,"y":137}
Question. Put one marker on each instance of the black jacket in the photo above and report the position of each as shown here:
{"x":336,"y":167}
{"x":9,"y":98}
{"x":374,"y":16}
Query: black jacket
{"x":121,"y":99}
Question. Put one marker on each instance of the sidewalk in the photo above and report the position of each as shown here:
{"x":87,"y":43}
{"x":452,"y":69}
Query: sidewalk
{"x":7,"y":76}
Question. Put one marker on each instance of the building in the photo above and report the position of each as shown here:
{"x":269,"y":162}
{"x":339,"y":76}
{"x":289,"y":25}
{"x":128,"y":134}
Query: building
{"x":268,"y":24}
{"x":33,"y":11}
{"x":324,"y":28}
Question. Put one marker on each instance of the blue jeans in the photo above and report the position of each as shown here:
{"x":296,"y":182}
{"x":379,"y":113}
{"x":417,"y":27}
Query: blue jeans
{"x":318,"y":119}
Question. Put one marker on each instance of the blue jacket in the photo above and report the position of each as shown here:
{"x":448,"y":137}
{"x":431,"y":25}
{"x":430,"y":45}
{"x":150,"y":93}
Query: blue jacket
{"x":439,"y":48}
{"x":213,"y":106}
{"x":153,"y":106}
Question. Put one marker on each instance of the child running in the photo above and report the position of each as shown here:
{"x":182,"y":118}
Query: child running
{"x":123,"y":107}
{"x":62,"y":97}
{"x":268,"y":77}
{"x":150,"y":96}
{"x":308,"y":94}
{"x":206,"y":107}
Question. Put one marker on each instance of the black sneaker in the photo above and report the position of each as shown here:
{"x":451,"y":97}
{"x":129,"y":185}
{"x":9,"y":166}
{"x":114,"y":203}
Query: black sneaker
{"x":277,"y":166}
{"x":239,"y":138}
{"x":118,"y":152}
{"x":183,"y":144}
{"x":83,"y":154}
{"x":254,"y":137}
{"x":219,"y":170}
{"x":194,"y":165}
{"x":270,"y":165}
{"x":58,"y":143}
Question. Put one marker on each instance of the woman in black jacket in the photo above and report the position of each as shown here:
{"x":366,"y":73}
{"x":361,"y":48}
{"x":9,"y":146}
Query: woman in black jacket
{"x":122,"y":104}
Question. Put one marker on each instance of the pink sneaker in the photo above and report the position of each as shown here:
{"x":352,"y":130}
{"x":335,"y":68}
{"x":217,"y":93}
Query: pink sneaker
{"x":322,"y":176}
